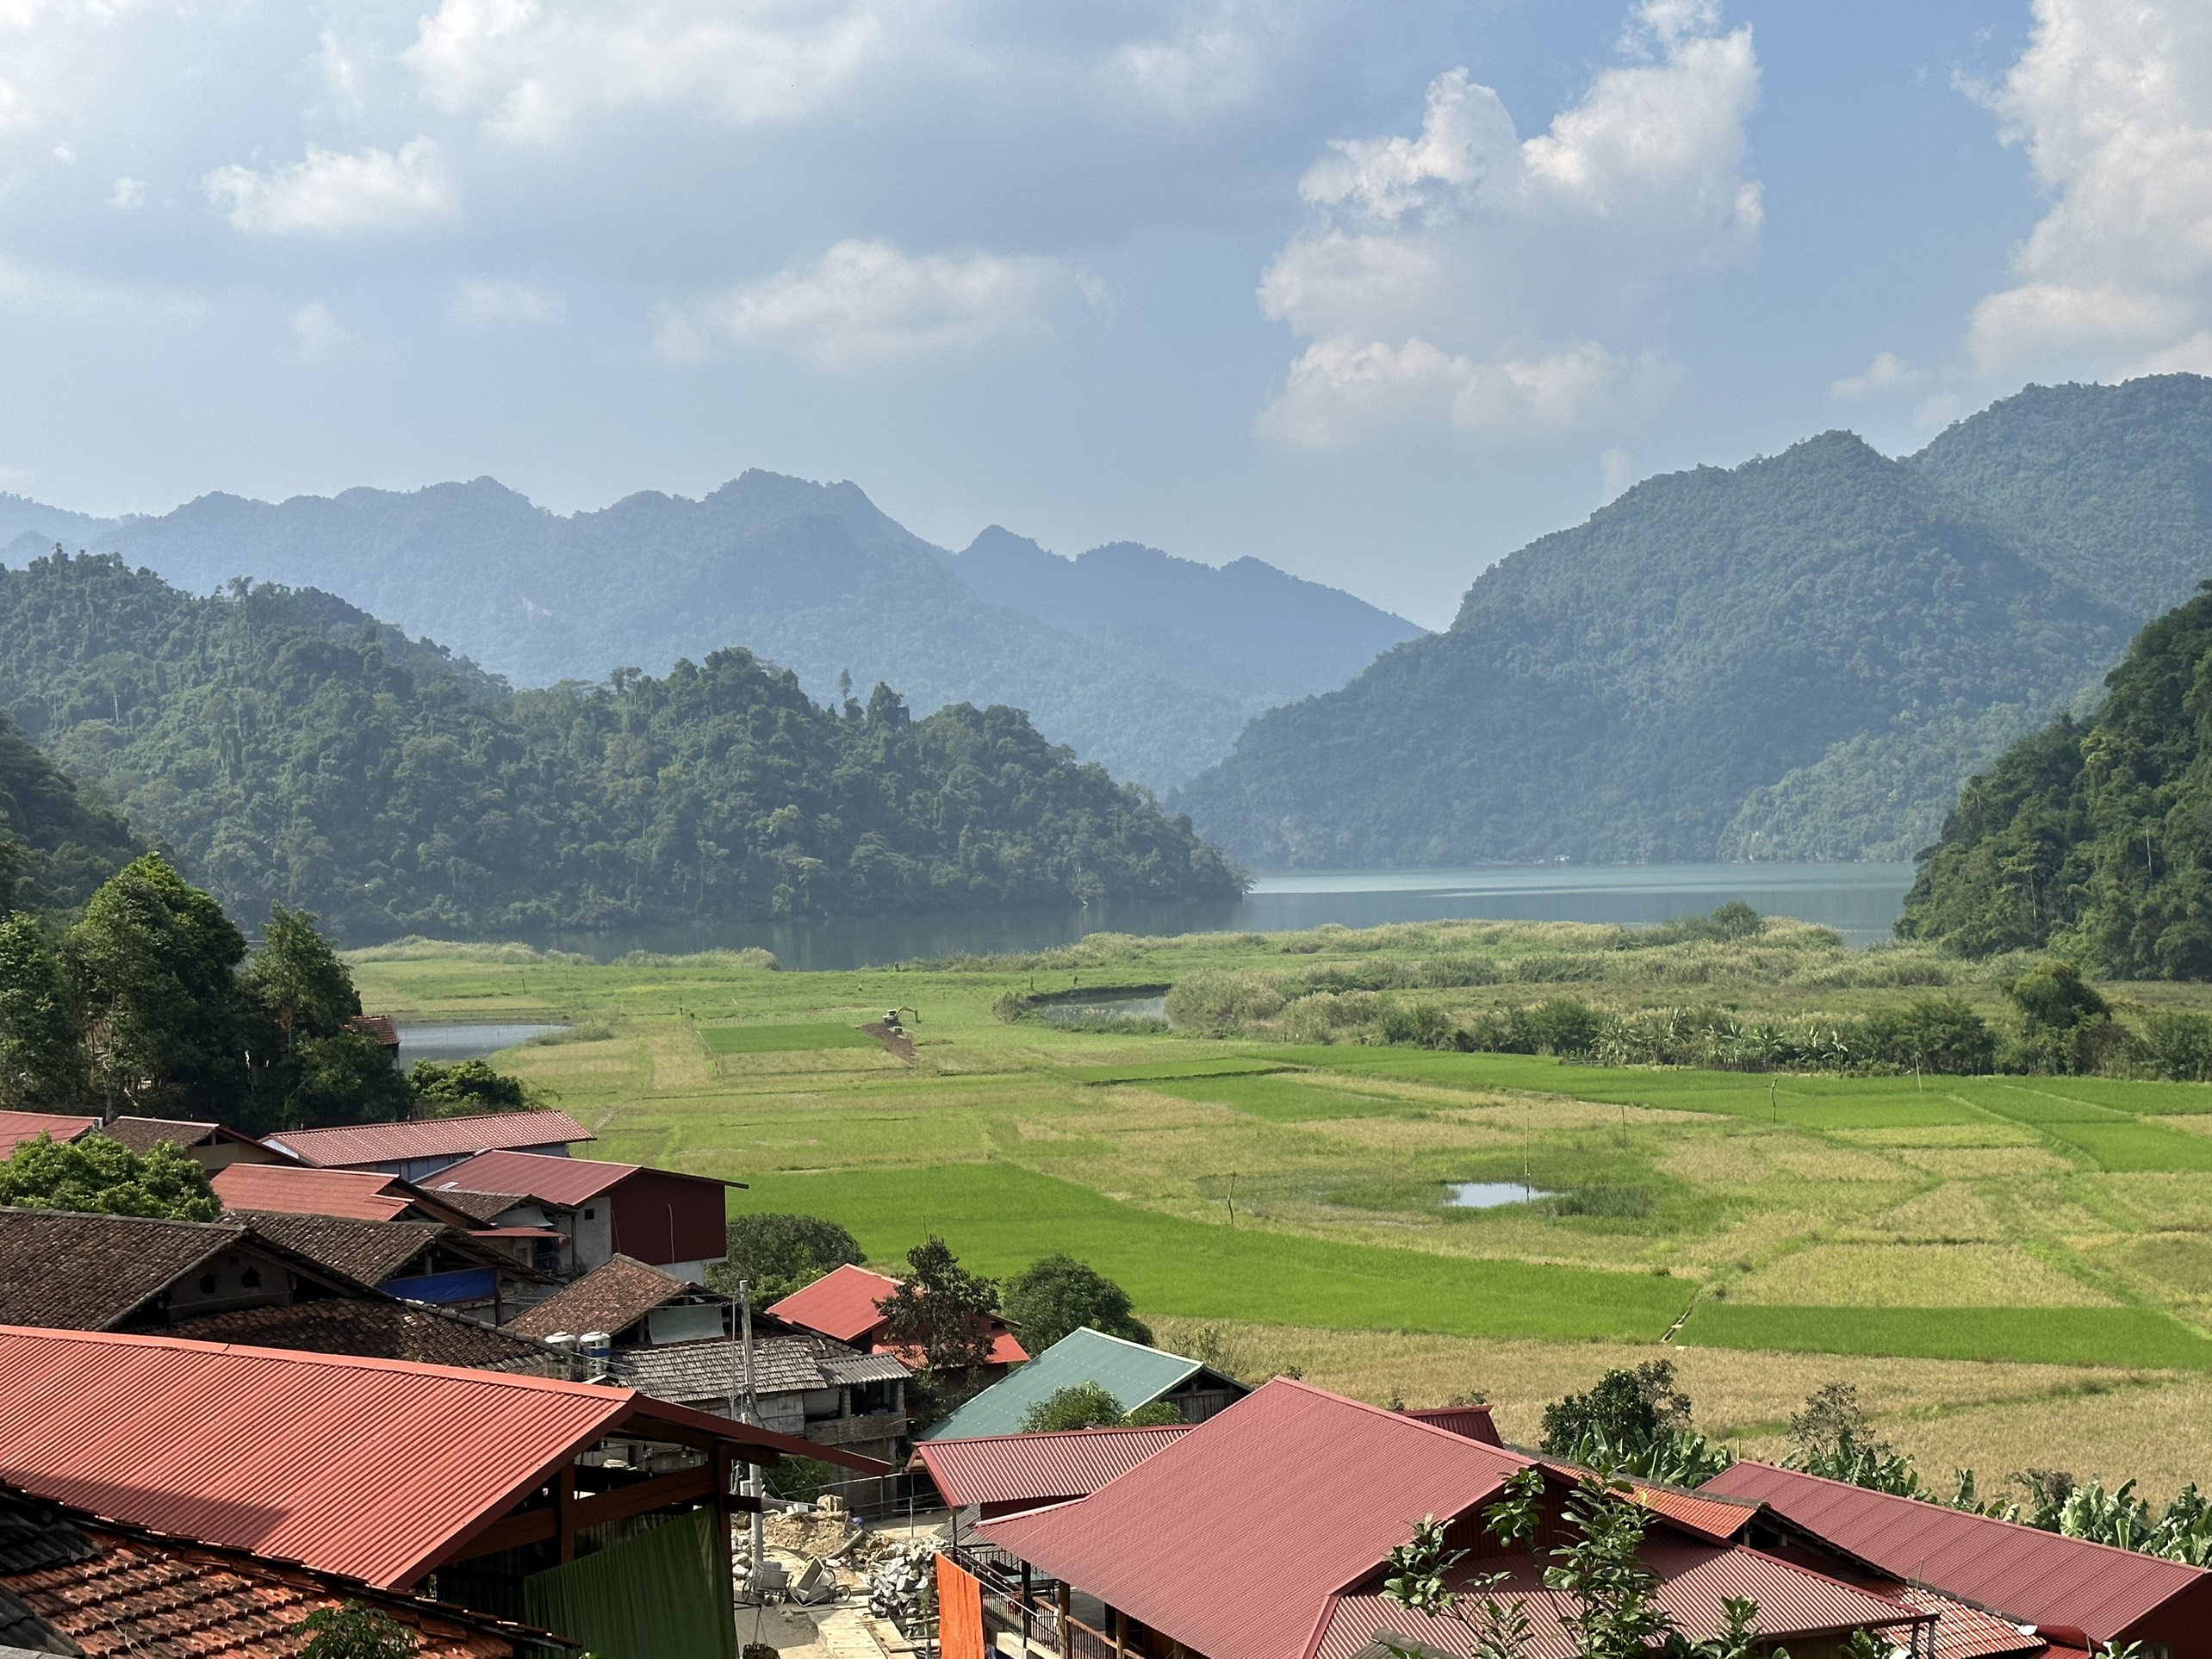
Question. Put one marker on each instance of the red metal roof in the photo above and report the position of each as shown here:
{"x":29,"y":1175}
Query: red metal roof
{"x":840,"y":1303}
{"x":16,"y":1126}
{"x":1695,"y":1581}
{"x":1232,"y":1540}
{"x":299,"y":1189}
{"x":374,"y":1467}
{"x":2031,"y":1576}
{"x":564,"y":1181}
{"x":429,"y":1137}
{"x":1719,"y":1519}
{"x":1965,"y":1632}
{"x":1033,"y":1468}
{"x":1473,"y":1421}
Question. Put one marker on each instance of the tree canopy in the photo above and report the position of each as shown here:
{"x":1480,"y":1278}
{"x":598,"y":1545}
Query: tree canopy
{"x":778,"y":1253}
{"x":1057,"y":1294}
{"x":104,"y":1177}
{"x":293,"y":751}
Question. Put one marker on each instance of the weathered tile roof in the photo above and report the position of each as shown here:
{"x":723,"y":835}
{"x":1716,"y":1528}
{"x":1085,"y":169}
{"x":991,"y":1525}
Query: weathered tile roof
{"x":71,"y":1584}
{"x":377,"y":1330}
{"x":685,"y":1371}
{"x":486,"y":1207}
{"x":368,"y":1252}
{"x":616,"y":1294}
{"x":89,"y":1272}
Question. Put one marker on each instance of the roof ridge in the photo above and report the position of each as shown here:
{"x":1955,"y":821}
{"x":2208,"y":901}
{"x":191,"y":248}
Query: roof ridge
{"x":1141,"y":1347}
{"x":1051,"y":1434}
{"x":218,"y":1224}
{"x":333,"y":1362}
{"x":1402,"y":1419}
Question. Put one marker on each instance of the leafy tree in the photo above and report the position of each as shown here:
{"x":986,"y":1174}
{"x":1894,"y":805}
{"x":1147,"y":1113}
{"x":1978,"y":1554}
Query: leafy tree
{"x":1626,"y":1407}
{"x":42,"y":1062}
{"x":312,"y":1068}
{"x":156,"y":962}
{"x":781,"y":1253}
{"x":946,"y":1313}
{"x":297,"y":979}
{"x":355,"y":1630}
{"x":1057,"y":1294}
{"x":93,"y":1173}
{"x":2066,"y":1027}
{"x":458,"y":1088}
{"x":1081,"y":1405}
{"x":1833,"y":1438}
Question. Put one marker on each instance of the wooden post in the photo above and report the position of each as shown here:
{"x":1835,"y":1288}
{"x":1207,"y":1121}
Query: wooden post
{"x":1029,"y":1620}
{"x":1121,"y":1633}
{"x":565,"y":1514}
{"x":1060,"y":1597}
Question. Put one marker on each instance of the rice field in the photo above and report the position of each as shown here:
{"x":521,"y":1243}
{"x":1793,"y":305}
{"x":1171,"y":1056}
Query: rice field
{"x":2027,"y":1242}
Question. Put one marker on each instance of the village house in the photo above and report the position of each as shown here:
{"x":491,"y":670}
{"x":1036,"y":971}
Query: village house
{"x":372,"y":1195}
{"x":416,"y":1261}
{"x":599,"y":1210}
{"x":843,"y":1305}
{"x":1132,"y":1373}
{"x":1264,"y":1531}
{"x":211,"y":1145}
{"x":2074,"y":1594}
{"x":1005,"y":1475}
{"x":528,"y":1498}
{"x":224,"y":1282}
{"x":676,"y":1342}
{"x":60,"y":1128}
{"x":75,"y":1584}
{"x":422,"y":1147}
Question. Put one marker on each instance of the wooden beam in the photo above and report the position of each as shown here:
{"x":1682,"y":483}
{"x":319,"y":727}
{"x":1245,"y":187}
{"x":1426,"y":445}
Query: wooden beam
{"x":543,"y":1526}
{"x":565,"y":1514}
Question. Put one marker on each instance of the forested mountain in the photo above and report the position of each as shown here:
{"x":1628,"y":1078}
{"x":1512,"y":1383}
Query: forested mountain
{"x":1801,"y":657}
{"x":2094,"y":837}
{"x":292,"y":748}
{"x":56,"y":845}
{"x":1147,"y":664}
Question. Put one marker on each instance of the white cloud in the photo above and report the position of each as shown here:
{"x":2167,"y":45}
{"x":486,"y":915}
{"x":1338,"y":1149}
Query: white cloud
{"x":530,"y":70}
{"x":2113,"y":105}
{"x":128,"y":193}
{"x":318,"y":336}
{"x":476,"y":304}
{"x":1468,"y":275}
{"x":867,"y":302}
{"x":337,"y":193}
{"x":1940,"y":410}
{"x":1887,"y":371}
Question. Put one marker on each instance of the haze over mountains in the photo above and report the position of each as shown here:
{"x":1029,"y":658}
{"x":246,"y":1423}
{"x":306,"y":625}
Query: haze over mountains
{"x":1148,"y":664}
{"x":1803,"y":657}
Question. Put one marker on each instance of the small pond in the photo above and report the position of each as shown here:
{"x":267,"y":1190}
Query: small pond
{"x":448,"y":1043}
{"x":1489,"y":1195}
{"x":1118,"y":1008}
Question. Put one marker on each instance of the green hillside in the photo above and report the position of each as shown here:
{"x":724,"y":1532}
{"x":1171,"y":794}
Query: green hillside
{"x":1802,"y":657}
{"x":291,"y":748}
{"x":56,"y":842}
{"x":2094,"y":837}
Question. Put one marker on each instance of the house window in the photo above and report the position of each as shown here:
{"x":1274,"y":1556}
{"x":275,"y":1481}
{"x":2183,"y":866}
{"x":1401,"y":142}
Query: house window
{"x":251,"y":1278}
{"x":206,"y":1285}
{"x":590,"y":1215}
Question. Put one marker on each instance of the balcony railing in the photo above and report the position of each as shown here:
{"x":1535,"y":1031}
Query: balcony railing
{"x":1038,"y":1616}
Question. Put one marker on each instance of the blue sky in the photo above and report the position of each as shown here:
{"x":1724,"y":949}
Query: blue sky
{"x":1375,"y":293}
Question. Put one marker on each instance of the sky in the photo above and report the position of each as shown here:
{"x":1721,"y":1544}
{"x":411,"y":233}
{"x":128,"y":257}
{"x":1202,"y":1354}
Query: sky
{"x":1375,"y":293}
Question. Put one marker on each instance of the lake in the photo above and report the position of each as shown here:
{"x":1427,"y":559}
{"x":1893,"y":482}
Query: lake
{"x":447,"y":1043}
{"x":1860,"y":901}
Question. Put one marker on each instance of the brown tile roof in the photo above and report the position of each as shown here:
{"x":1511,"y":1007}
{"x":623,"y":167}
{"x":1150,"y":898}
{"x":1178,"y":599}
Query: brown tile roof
{"x":143,"y":1134}
{"x":687,"y":1371}
{"x":89,"y":1272}
{"x":102,"y":1589}
{"x":368,"y":1252}
{"x":486,"y":1207}
{"x":610,"y":1296}
{"x":378,"y":1330}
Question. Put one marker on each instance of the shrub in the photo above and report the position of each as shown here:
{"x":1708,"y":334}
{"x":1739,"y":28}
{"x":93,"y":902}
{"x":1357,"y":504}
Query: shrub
{"x":1082,"y":1406}
{"x":2176,"y":1045}
{"x":465,"y":1087}
{"x":779,"y":1253}
{"x":1218,"y":1001}
{"x":1937,"y":1033}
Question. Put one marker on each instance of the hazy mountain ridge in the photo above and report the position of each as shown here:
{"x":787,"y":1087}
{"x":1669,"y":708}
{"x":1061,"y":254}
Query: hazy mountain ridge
{"x":1153,"y":683}
{"x":1803,"y":656}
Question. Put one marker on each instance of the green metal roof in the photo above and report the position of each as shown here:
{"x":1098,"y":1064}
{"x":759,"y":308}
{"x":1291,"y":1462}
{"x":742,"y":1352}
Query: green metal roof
{"x":1131,"y":1373}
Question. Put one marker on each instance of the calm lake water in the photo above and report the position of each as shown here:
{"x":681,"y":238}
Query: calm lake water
{"x":1859,"y":900}
{"x":1490,"y":1194}
{"x":448,"y":1043}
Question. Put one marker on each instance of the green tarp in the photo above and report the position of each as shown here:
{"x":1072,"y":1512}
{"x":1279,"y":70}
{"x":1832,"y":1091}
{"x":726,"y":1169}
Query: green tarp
{"x":660,"y":1595}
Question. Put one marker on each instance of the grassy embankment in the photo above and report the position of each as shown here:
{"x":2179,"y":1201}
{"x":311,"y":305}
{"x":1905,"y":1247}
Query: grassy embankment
{"x":2016,"y":1269}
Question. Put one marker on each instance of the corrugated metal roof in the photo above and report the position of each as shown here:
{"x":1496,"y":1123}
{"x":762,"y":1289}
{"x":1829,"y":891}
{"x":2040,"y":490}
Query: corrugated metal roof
{"x":429,"y":1137}
{"x":1695,"y":1582}
{"x":2032,"y":1576}
{"x":1134,"y":1374}
{"x":1033,"y":1468}
{"x":841,"y":1303}
{"x":299,"y":1189}
{"x":1720,"y":1520}
{"x":1473,"y":1421}
{"x":1965,"y":1632}
{"x":374,"y":1467}
{"x":16,"y":1126}
{"x":563,"y":1181}
{"x":1232,"y":1539}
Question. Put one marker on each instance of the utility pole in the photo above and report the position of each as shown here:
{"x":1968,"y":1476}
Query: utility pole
{"x":755,"y":1485}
